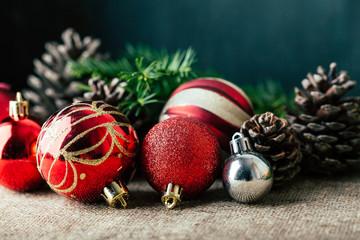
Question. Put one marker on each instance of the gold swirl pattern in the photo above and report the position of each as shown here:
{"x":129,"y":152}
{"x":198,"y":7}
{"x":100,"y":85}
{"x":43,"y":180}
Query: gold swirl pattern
{"x":54,"y":128}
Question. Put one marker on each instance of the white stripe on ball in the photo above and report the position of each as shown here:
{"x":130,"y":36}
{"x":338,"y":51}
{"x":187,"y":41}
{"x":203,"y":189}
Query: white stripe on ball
{"x":238,"y":89}
{"x":209,"y":101}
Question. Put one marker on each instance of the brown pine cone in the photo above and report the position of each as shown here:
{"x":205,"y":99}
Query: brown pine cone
{"x":114,"y":93}
{"x":276,"y":141}
{"x":111,"y":93}
{"x":52,"y":86}
{"x":328,"y":126}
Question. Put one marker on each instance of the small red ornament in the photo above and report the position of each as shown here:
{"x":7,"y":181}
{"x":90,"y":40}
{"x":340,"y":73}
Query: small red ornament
{"x":17,"y":149}
{"x":6,"y":95}
{"x":180,"y":156}
{"x":220,"y":104}
{"x":84,"y":148}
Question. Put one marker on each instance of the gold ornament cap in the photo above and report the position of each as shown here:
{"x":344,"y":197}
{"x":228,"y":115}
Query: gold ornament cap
{"x":19,"y":108}
{"x":172,"y":196}
{"x":117,"y":195}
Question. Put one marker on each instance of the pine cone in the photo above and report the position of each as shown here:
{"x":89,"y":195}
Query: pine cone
{"x":52,"y":86}
{"x":328,"y":126}
{"x":110,"y":93}
{"x":113,"y":94}
{"x":276,"y":141}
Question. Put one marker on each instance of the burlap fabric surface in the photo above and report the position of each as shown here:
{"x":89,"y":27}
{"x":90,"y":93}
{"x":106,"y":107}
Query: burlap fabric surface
{"x":308,"y":208}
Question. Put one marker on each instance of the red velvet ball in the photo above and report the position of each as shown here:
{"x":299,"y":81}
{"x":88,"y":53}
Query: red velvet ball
{"x":5,"y":96}
{"x":18,"y":169}
{"x":181,"y":151}
{"x":84,"y":147}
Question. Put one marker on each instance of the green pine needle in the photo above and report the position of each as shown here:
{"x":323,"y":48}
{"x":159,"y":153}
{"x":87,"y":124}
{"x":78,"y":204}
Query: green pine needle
{"x":270,"y":96}
{"x":151,"y":75}
{"x":84,"y":87}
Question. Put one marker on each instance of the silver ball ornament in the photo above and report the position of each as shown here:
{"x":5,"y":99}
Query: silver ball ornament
{"x":247,"y":176}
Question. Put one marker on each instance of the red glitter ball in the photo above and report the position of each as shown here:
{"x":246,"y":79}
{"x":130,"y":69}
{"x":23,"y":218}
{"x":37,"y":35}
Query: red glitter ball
{"x":84,"y":147}
{"x":181,"y":151}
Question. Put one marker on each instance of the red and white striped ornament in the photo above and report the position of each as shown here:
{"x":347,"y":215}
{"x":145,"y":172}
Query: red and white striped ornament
{"x":220,"y":104}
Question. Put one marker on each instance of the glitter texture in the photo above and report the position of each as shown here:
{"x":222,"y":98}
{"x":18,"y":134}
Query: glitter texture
{"x":181,"y":151}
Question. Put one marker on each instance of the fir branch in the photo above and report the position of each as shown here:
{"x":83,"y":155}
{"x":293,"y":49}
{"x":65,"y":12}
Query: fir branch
{"x":269,"y":96}
{"x":151,"y":75}
{"x":155,"y":82}
{"x":86,"y":68}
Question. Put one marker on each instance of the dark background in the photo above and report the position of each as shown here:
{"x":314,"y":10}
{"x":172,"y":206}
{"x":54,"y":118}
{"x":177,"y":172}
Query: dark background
{"x":246,"y":41}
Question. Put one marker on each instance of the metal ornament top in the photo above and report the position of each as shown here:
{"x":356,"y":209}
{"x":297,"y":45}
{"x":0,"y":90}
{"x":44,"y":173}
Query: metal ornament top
{"x":19,"y":108}
{"x":240,"y":144}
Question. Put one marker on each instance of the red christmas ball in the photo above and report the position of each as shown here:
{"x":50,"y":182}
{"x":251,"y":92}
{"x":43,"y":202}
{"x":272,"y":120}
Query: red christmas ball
{"x":84,"y":148}
{"x":183,"y":152}
{"x":6,"y":95}
{"x":220,"y":104}
{"x":18,"y":149}
{"x":18,"y":155}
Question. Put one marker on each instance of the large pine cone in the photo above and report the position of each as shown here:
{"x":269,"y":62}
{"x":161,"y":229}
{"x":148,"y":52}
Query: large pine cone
{"x":276,"y":141}
{"x":328,"y":125}
{"x":52,"y":86}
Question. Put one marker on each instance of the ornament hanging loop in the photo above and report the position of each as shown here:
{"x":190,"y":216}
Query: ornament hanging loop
{"x":117,"y":195}
{"x":19,"y":108}
{"x":240,"y":144}
{"x":172,"y":196}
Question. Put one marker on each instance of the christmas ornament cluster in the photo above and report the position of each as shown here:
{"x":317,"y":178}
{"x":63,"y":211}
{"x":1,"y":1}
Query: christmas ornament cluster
{"x":91,"y":143}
